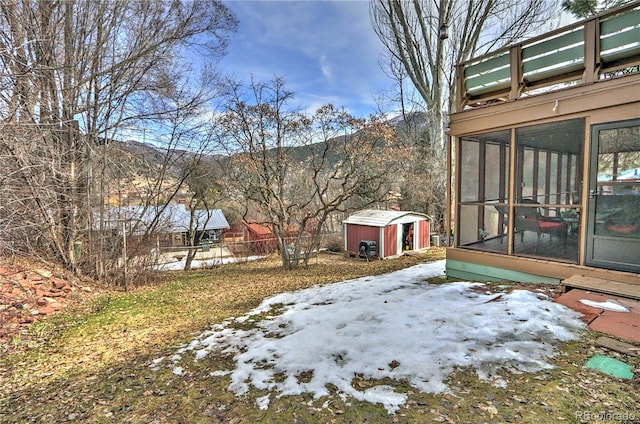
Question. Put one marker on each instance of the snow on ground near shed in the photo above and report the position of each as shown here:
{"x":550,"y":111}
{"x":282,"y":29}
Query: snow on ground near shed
{"x":203,"y":263}
{"x":394,"y":325}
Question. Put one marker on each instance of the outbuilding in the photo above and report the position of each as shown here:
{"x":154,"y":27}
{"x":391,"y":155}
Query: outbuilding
{"x":174,"y":223}
{"x":385,"y":233}
{"x":259,"y":238}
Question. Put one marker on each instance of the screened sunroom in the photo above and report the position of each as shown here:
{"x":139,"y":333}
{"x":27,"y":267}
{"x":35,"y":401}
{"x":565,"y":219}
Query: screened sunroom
{"x":545,"y":173}
{"x":545,"y":153}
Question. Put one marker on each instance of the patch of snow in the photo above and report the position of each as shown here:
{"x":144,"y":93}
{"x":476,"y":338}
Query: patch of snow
{"x":202,"y":263}
{"x":609,"y":305}
{"x":263,"y":402}
{"x":390,"y":326}
{"x":385,"y":395}
{"x":156,"y":363}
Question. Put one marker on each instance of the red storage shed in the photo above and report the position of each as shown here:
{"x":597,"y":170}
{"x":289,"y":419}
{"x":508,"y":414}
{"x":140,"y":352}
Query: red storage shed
{"x":385,"y":234}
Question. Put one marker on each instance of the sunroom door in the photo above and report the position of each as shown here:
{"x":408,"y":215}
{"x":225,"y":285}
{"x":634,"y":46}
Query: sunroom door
{"x":613,"y":216}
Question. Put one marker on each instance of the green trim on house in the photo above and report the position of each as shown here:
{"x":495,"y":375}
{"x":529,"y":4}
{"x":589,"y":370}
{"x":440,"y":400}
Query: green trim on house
{"x":477,"y":272}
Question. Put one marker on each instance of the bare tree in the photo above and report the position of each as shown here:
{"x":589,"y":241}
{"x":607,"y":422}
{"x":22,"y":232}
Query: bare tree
{"x":429,"y":37}
{"x":72,"y":74}
{"x":184,"y":144}
{"x":297,"y":170}
{"x":585,"y":8}
{"x":424,"y":40}
{"x":206,"y":191}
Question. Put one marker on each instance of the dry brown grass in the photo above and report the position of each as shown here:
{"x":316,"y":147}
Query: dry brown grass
{"x":91,"y":364}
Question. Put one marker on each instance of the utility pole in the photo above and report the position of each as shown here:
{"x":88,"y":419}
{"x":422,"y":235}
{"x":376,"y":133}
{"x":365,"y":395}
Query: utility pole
{"x":124,"y":255}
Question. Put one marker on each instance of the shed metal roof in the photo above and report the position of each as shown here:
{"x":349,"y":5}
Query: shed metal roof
{"x":380,"y":218}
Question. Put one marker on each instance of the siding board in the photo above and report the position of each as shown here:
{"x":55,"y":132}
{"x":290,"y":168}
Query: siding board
{"x":356,"y":232}
{"x":423,"y":234}
{"x":390,"y":240}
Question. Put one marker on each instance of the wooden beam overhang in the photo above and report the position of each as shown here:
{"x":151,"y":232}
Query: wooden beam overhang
{"x":571,"y":101}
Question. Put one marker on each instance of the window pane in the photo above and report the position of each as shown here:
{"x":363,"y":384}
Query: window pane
{"x":573,"y":183}
{"x":554,"y":191}
{"x":468,"y":229}
{"x":618,"y":203}
{"x":469,"y":152}
{"x":492,"y":173}
{"x":527,"y":174}
{"x":546,"y":175}
{"x":541,"y":184}
{"x":483,"y":174}
{"x":563,"y":178}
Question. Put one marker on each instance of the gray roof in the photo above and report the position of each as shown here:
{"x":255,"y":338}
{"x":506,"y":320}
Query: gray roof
{"x":173,"y":218}
{"x":380,"y":218}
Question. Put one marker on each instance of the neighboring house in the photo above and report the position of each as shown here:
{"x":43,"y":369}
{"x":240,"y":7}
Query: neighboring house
{"x":545,"y":141}
{"x":385,"y":233}
{"x":173,"y":223}
{"x":259,"y":238}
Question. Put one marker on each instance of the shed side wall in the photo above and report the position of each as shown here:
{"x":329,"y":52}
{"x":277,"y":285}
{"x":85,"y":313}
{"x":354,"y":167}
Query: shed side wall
{"x":356,"y":233}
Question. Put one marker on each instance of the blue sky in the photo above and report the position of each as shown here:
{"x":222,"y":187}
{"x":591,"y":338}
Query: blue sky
{"x":326,"y":51}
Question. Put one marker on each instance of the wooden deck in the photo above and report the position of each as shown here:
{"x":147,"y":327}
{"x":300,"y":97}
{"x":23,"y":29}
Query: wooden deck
{"x":548,"y":248}
{"x":600,"y":285}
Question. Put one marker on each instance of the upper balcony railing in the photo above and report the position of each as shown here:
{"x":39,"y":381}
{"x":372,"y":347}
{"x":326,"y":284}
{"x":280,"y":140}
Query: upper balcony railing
{"x":581,"y":53}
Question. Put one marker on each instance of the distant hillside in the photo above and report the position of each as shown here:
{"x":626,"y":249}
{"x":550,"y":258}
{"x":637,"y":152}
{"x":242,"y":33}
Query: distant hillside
{"x":155,"y":156}
{"x":414,"y":121}
{"x":151,"y":154}
{"x":139,"y":161}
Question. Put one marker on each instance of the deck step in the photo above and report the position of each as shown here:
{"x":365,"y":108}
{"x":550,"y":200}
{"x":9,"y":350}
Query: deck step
{"x":600,"y":285}
{"x":618,"y":346}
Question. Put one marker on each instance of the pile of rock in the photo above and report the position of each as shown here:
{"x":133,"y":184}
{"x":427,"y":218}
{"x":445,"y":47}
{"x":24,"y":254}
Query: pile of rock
{"x":26,"y":296}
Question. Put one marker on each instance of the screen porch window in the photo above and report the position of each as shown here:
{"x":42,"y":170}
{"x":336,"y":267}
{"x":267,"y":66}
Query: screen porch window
{"x":545,"y":210}
{"x":484,"y":172}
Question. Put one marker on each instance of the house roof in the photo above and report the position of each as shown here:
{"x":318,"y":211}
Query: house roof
{"x":258,"y":229}
{"x":173,"y":218}
{"x":380,"y":218}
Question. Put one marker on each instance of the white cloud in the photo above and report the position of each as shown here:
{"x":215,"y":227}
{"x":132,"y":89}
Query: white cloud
{"x":324,"y":65}
{"x":321,"y":48}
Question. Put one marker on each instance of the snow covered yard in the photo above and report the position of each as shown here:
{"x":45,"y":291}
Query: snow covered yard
{"x":394,"y":326}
